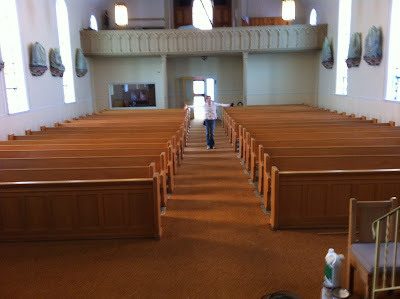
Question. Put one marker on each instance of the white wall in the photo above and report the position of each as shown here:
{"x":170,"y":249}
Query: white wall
{"x":282,"y":78}
{"x":274,"y":78}
{"x":126,"y":70}
{"x":38,"y":23}
{"x":227,"y":70}
{"x":366,"y":84}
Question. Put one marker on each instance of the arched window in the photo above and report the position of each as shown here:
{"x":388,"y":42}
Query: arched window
{"x":393,"y":71}
{"x":65,"y":50}
{"x":313,"y":17}
{"x":93,"y":23}
{"x":343,"y":46}
{"x":202,"y":14}
{"x":10,"y":43}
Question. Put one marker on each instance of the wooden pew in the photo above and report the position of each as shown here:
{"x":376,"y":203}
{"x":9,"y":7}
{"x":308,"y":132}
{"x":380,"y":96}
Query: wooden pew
{"x":251,"y":153}
{"x":81,"y":173}
{"x":320,"y":184}
{"x":316,"y":163}
{"x":99,"y":138}
{"x":93,"y":144}
{"x":320,"y":199}
{"x":318,"y":151}
{"x":79,"y":203}
{"x":113,"y":132}
{"x":92,"y":161}
{"x":105,"y":135}
{"x":64,"y":152}
{"x":302,"y":132}
{"x":328,"y":150}
{"x":372,"y":141}
{"x":244,"y":130}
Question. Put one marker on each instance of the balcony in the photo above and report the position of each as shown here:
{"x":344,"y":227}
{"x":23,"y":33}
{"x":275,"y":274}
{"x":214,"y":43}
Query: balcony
{"x":258,"y":39}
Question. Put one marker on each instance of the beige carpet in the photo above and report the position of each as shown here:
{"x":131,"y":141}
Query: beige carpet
{"x":216,"y":243}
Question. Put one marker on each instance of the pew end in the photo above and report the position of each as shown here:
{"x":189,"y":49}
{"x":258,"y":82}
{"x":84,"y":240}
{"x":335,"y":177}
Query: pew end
{"x":260,"y":168}
{"x":274,"y":220}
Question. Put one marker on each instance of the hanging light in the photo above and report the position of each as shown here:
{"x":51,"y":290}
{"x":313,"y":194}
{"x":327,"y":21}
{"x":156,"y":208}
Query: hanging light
{"x":121,"y":14}
{"x":288,"y":10}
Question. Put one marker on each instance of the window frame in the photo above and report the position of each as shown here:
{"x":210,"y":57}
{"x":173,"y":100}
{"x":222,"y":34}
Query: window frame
{"x":209,"y":20}
{"x":343,"y":42}
{"x":393,"y":64}
{"x":314,"y":15}
{"x":66,"y":52}
{"x":93,"y":17}
{"x":19,"y":60}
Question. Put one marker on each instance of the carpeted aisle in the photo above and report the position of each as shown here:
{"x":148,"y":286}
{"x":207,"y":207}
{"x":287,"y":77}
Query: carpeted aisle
{"x":216,"y":244}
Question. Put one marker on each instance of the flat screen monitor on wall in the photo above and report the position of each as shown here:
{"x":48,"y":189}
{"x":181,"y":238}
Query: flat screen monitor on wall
{"x":132,"y":95}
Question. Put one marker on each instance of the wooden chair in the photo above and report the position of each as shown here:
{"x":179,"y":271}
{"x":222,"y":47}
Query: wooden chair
{"x":386,"y":253}
{"x":361,"y":249}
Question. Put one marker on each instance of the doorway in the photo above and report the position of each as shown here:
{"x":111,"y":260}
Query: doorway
{"x":197,"y":88}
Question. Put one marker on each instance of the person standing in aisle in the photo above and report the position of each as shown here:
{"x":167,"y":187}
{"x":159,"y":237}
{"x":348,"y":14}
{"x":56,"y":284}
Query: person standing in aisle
{"x":210,"y":115}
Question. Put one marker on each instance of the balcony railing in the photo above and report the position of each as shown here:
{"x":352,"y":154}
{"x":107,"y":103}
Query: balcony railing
{"x":220,"y":40}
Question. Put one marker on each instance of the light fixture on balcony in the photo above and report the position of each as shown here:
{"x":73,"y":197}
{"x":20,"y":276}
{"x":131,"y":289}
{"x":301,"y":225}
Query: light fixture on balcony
{"x":288,"y":10}
{"x":121,"y":14}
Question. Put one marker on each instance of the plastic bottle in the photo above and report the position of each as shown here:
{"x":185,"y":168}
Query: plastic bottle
{"x":333,"y":268}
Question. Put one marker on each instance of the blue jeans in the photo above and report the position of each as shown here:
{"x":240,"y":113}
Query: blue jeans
{"x":210,"y":125}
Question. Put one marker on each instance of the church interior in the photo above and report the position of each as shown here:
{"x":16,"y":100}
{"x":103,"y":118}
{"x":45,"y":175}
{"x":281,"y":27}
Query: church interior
{"x":107,"y":188}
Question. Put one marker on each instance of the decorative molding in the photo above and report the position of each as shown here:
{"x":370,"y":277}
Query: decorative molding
{"x":192,"y":41}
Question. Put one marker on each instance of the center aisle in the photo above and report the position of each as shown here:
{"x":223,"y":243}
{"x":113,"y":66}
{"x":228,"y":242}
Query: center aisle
{"x":226,"y":247}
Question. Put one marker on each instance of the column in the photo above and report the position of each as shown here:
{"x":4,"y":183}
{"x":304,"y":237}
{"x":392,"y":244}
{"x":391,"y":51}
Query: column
{"x":245,"y":57}
{"x":168,"y":13}
{"x":165,"y":80}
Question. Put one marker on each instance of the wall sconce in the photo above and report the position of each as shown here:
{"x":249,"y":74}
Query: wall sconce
{"x":121,"y":14}
{"x":288,"y":10}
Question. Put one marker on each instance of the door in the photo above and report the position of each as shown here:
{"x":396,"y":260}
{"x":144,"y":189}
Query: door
{"x":194,"y":90}
{"x":187,"y":85}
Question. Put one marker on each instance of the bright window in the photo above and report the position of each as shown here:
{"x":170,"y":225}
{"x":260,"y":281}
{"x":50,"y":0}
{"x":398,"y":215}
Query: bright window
{"x":199,"y":96}
{"x":201,"y":88}
{"x":198,"y":87}
{"x":65,"y":50}
{"x":313,"y":17}
{"x":393,"y":72}
{"x":10,"y":41}
{"x":202,"y":14}
{"x":210,"y":82}
{"x":121,"y":14}
{"x":93,"y":23}
{"x":343,"y":46}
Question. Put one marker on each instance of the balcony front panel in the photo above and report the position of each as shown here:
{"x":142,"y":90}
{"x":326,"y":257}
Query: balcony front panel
{"x":189,"y":42}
